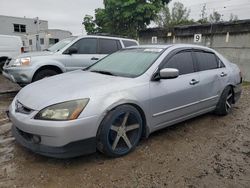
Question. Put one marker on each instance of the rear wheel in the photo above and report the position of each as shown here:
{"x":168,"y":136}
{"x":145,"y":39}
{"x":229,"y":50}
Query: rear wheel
{"x":44,"y":74}
{"x":120,"y":131}
{"x":224,"y":105}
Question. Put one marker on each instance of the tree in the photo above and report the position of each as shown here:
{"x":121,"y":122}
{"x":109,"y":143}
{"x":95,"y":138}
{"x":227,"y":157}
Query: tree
{"x":233,"y":17}
{"x":215,"y":17}
{"x":126,"y":17}
{"x":179,"y":15}
{"x":89,"y":24}
{"x":203,"y":15}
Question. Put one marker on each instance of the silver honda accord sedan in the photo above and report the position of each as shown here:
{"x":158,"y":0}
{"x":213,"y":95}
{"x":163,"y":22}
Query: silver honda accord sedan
{"x":126,"y":96}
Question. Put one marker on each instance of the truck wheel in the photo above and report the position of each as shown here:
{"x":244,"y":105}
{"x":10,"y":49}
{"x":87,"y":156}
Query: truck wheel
{"x":44,"y":74}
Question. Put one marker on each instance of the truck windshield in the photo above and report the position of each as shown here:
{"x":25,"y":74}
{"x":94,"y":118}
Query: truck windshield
{"x":61,"y":44}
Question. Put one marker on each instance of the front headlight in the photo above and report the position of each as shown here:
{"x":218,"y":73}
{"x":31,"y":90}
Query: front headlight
{"x":69,"y":110}
{"x":25,"y":61}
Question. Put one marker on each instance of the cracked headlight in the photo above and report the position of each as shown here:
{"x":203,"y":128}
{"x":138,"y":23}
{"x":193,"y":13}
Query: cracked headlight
{"x":25,"y":61}
{"x":69,"y":110}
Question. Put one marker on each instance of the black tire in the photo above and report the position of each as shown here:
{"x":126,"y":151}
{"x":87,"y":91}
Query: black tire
{"x":120,"y":131}
{"x":43,"y":74}
{"x":1,"y":65}
{"x":224,"y":105}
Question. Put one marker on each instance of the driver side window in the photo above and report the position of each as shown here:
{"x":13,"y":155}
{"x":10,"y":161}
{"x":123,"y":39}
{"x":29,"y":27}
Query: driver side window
{"x":86,"y":46}
{"x":182,"y":61}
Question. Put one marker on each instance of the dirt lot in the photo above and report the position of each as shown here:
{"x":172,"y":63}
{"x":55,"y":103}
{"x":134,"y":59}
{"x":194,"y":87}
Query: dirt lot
{"x":207,"y":151}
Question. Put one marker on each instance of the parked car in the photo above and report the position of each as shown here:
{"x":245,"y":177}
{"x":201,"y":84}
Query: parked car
{"x":67,"y":55}
{"x":10,"y":46}
{"x":126,"y":95}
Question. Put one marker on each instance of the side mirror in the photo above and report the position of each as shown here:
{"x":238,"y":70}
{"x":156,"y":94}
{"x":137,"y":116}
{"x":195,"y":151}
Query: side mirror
{"x":169,"y":73}
{"x":72,"y":50}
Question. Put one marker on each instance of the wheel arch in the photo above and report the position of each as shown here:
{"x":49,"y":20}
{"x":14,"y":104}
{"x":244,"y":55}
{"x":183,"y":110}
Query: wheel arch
{"x":51,"y":67}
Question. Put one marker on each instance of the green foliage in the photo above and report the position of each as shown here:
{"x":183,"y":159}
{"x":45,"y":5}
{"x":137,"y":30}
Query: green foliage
{"x":125,"y":18}
{"x":89,"y":24}
{"x":179,"y":15}
{"x":215,"y":17}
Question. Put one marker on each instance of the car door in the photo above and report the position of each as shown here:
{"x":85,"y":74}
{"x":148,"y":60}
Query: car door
{"x":175,"y":99}
{"x":108,"y":46}
{"x":211,"y":73}
{"x":85,"y":56}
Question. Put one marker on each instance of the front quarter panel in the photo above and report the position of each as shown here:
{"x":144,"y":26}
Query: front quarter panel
{"x":101,"y":104}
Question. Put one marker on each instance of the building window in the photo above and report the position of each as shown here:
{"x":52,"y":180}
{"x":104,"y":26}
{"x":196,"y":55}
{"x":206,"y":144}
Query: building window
{"x":30,"y":42}
{"x":19,"y":28}
{"x":53,"y":41}
{"x":42,"y":41}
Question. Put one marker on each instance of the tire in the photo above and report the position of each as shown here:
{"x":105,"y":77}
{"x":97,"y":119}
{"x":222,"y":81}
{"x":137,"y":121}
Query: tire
{"x":224,"y":105}
{"x":120,"y":131}
{"x":43,"y":74}
{"x":1,"y":65}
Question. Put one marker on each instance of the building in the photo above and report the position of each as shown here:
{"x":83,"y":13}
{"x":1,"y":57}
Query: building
{"x":35,"y":33}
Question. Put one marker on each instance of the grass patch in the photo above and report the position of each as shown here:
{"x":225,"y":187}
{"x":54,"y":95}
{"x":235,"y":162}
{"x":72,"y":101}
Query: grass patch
{"x":245,"y":83}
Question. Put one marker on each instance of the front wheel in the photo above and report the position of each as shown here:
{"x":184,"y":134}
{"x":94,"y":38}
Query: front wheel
{"x":44,"y":74}
{"x":120,"y":131}
{"x":224,"y":105}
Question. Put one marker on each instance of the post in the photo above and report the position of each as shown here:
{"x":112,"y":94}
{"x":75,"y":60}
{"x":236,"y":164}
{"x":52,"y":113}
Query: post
{"x":37,"y":22}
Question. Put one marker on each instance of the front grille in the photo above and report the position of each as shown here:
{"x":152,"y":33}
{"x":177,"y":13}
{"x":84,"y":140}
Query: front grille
{"x":20,"y":108}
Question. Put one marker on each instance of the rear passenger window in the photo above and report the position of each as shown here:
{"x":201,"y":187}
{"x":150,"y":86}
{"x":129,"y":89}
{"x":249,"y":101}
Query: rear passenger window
{"x":182,"y":61}
{"x":108,"y":46}
{"x":206,"y":61}
{"x":128,"y":43}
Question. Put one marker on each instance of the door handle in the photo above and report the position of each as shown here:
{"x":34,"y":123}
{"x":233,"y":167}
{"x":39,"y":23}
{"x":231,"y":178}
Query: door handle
{"x":194,"y":81}
{"x":94,"y":58}
{"x":223,"y":74}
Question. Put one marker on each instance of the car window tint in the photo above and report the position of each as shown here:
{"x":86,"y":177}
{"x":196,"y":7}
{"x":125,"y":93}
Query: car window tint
{"x":86,"y":46}
{"x":107,"y":46}
{"x":128,"y":43}
{"x":206,"y":61}
{"x":182,"y":61}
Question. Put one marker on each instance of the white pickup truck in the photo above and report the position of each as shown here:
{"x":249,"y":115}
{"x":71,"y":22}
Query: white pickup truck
{"x":10,"y":46}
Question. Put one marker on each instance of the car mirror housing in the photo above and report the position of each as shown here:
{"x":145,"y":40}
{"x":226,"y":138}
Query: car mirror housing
{"x":169,"y":73}
{"x":72,"y":50}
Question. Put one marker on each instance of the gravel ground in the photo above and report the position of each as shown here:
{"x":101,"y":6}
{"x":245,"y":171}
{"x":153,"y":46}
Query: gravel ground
{"x":208,"y":151}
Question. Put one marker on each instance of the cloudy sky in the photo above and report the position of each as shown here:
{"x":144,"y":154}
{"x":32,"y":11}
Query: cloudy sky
{"x":68,"y":14}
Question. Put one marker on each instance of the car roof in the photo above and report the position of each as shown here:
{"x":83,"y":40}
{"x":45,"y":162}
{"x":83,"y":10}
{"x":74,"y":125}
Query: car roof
{"x":106,"y":37}
{"x":165,"y":46}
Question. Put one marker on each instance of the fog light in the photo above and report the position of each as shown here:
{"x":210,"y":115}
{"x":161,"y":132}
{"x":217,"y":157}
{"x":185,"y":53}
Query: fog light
{"x":36,"y":139}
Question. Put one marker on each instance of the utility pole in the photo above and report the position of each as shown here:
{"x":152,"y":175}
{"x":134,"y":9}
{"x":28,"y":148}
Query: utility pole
{"x":37,"y":22}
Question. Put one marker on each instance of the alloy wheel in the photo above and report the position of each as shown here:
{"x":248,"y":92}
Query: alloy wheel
{"x":124,"y":132}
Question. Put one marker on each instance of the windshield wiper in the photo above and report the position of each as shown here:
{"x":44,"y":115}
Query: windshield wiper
{"x":103,"y":72}
{"x":46,"y":50}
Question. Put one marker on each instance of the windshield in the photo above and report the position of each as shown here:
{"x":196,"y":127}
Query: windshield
{"x":61,"y":44}
{"x":127,"y":63}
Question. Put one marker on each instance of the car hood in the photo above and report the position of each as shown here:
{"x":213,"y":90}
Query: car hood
{"x":35,"y":54}
{"x":70,"y":86}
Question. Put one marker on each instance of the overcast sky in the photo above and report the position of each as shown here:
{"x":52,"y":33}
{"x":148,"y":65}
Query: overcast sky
{"x":68,"y":14}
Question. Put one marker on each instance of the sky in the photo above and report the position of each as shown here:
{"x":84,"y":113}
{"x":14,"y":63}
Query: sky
{"x":68,"y":14}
